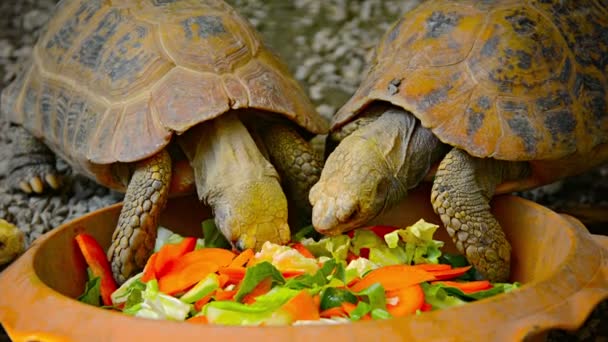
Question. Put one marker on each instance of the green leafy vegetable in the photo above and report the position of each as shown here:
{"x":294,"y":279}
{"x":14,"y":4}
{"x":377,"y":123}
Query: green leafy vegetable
{"x":212,"y":235}
{"x":92,"y":291}
{"x":438,"y":297}
{"x":255,"y":274}
{"x":333,"y":296}
{"x":374,"y":296}
{"x":335,"y":247}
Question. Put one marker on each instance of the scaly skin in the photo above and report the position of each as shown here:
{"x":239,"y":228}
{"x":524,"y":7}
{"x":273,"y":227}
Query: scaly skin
{"x":239,"y":184}
{"x":135,"y":234}
{"x":371,"y":170}
{"x":32,"y":166}
{"x":299,"y":167}
{"x":461,"y":196}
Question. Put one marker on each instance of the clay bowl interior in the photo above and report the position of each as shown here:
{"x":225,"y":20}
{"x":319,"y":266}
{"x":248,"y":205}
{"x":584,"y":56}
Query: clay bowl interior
{"x":562,"y":266}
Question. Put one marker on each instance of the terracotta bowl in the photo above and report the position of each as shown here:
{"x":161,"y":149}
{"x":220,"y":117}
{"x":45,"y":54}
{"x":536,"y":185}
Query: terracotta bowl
{"x":564,"y":270}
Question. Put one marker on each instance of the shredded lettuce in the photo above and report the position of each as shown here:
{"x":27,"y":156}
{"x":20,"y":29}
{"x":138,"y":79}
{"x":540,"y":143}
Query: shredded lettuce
{"x":335,"y":247}
{"x":157,"y":305}
{"x":285,"y":258}
{"x":417,"y":241}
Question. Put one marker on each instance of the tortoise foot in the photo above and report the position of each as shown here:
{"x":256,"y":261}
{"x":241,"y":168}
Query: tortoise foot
{"x":34,"y":175}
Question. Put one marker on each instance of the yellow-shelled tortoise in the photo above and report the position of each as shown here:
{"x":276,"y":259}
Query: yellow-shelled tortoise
{"x":130,"y":91}
{"x":486,"y":96}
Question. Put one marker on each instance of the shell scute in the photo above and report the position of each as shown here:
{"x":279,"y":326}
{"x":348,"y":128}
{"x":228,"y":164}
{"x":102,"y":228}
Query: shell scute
{"x":502,"y":79}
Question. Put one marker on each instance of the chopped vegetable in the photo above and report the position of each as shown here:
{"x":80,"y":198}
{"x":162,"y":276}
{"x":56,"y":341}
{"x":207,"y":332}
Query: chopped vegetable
{"x":171,"y":252}
{"x":393,"y":277}
{"x":97,"y":260}
{"x":409,"y":300}
{"x":376,"y":272}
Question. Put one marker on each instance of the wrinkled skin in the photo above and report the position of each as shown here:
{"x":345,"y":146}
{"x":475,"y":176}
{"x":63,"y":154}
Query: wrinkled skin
{"x":372,"y":169}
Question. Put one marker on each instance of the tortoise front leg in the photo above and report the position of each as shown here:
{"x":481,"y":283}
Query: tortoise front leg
{"x":299,"y":167}
{"x":135,"y":234}
{"x":461,"y":195}
{"x":32,"y":166}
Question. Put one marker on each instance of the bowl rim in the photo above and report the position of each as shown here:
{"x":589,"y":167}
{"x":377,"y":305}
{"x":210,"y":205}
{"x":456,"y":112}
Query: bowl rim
{"x":20,"y":280}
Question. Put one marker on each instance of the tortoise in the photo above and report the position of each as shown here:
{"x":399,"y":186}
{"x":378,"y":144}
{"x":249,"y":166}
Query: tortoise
{"x":12,"y":242}
{"x":160,"y":97}
{"x":478,"y":97}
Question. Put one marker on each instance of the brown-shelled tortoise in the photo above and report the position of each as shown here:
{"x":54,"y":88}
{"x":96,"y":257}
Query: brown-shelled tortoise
{"x":129,"y":91}
{"x":481,"y":97}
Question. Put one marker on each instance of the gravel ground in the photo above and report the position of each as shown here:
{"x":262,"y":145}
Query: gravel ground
{"x":326,"y":44}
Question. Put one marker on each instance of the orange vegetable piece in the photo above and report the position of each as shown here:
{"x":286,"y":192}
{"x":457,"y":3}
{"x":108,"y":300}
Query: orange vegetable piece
{"x":411,"y":298}
{"x":97,"y":260}
{"x":348,"y":307}
{"x":235,"y":274}
{"x":336,"y":311}
{"x":302,"y":307}
{"x":469,"y":286}
{"x":171,"y":252}
{"x":393,"y":277}
{"x":451,"y":273}
{"x":291,"y":273}
{"x":198,"y":305}
{"x":149,"y":269}
{"x":223,"y":279}
{"x":198,"y":319}
{"x":242,"y":259}
{"x":181,"y":279}
{"x":219,"y":256}
{"x":262,"y":288}
{"x":434,"y":267}
{"x":221,"y":294}
{"x":303,"y":250}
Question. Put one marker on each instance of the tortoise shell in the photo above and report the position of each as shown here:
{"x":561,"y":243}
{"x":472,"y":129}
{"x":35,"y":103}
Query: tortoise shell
{"x":510,"y":80}
{"x":113,"y":81}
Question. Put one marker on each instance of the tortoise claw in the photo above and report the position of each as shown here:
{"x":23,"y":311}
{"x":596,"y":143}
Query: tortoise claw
{"x":37,"y":185}
{"x":25,"y":187}
{"x":52,"y":180}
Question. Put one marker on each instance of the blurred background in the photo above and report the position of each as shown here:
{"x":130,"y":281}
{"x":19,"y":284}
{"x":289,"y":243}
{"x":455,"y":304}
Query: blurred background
{"x":326,"y":44}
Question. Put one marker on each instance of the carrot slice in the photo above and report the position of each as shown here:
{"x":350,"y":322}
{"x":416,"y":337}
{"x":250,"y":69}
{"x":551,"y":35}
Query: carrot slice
{"x":467,"y":287}
{"x":411,"y":298}
{"x":182,"y":278}
{"x":292,"y":273}
{"x":303,"y":250}
{"x":348,"y":307}
{"x":171,"y":252}
{"x":261,"y":288}
{"x":451,"y":273}
{"x":223,"y":279}
{"x":234,"y":274}
{"x":302,"y":307}
{"x":149,"y":269}
{"x":219,"y":256}
{"x":336,"y":311}
{"x":393,"y":277}
{"x":198,"y":305}
{"x":221,"y":294}
{"x":434,"y":267}
{"x":198,"y":319}
{"x":242,"y":259}
{"x":97,"y":260}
